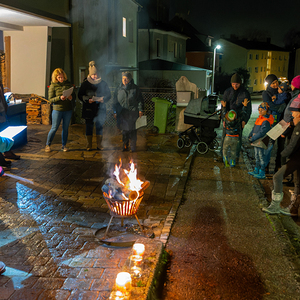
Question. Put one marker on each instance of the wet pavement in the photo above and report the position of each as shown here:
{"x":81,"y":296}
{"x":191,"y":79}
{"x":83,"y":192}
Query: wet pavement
{"x":48,"y":228}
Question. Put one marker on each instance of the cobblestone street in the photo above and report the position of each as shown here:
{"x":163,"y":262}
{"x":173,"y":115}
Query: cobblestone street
{"x":48,"y":228}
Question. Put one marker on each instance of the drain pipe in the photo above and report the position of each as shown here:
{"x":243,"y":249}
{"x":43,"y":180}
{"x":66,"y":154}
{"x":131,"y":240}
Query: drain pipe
{"x":71,"y":43}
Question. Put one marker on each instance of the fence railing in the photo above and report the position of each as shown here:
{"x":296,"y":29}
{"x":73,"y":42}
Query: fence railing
{"x":149,"y":106}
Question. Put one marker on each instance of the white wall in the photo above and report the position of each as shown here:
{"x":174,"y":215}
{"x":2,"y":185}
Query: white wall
{"x":28,"y":60}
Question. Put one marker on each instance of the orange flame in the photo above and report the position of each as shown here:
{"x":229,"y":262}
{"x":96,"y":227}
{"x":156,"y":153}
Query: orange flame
{"x":133,"y":183}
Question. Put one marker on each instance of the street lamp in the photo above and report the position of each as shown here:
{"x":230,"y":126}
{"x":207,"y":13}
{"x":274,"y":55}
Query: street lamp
{"x":214,"y":66}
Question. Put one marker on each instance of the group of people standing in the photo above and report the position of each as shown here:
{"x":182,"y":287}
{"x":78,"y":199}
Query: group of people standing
{"x":94,"y":93}
{"x":281,"y":101}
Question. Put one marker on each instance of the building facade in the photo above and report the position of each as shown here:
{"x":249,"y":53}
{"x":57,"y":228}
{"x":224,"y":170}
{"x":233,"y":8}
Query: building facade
{"x":259,"y":59}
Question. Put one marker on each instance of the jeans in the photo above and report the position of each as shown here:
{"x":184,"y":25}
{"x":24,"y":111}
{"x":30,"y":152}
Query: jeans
{"x":232,"y":143}
{"x":57,"y":116}
{"x":99,"y":121}
{"x":284,"y":171}
{"x":260,"y":158}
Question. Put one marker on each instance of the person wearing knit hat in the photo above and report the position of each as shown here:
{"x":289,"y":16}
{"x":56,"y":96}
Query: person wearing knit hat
{"x":233,"y":99}
{"x":272,"y":90}
{"x":296,"y":82}
{"x":292,"y":152}
{"x":261,"y":126}
{"x":295,"y":87}
{"x":271,"y":78}
{"x":128,"y":106}
{"x":236,"y":78}
{"x":94,"y":93}
{"x":268,"y":95}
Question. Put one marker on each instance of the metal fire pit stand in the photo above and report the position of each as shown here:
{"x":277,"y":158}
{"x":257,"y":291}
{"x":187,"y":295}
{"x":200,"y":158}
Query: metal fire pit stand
{"x":123,"y":209}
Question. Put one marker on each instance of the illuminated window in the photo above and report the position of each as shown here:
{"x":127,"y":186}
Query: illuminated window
{"x":175,"y":50}
{"x":124,"y":27}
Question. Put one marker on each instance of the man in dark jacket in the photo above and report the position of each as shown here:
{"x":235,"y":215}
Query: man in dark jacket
{"x":128,"y":105}
{"x":233,"y":99}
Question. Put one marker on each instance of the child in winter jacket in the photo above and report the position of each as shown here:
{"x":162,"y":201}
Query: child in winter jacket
{"x":261,"y":126}
{"x":231,"y":139}
{"x":283,"y":96}
{"x":233,"y":130}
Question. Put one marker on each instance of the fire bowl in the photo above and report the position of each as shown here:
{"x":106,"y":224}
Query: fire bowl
{"x":122,"y":236}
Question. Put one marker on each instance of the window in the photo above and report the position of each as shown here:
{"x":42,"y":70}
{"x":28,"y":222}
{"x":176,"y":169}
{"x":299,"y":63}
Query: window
{"x":280,"y":58}
{"x":255,"y":82}
{"x":264,"y":69}
{"x":249,"y":69}
{"x":158,"y":47}
{"x":260,"y":81}
{"x":124,"y":27}
{"x":278,"y":69}
{"x":256,"y":69}
{"x":262,"y":56}
{"x":180,"y":50}
{"x":261,"y":68}
{"x":250,"y":56}
{"x":175,"y":50}
{"x":257,"y":57}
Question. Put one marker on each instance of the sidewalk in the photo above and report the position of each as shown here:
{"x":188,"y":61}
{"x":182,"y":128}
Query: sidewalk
{"x":48,"y":229}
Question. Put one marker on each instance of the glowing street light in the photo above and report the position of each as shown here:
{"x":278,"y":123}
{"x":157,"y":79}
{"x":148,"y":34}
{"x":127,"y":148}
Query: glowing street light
{"x":214,"y":66}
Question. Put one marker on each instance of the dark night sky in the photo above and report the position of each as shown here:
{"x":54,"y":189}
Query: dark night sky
{"x":273,"y":18}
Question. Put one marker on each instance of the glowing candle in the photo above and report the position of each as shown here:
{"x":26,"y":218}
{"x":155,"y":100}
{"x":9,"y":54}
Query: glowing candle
{"x":138,"y":249}
{"x":136,"y":260}
{"x":136,"y":272}
{"x":123,"y":283}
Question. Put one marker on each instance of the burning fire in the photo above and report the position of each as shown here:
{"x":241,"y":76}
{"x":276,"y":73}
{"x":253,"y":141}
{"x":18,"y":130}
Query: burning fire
{"x":125,"y":184}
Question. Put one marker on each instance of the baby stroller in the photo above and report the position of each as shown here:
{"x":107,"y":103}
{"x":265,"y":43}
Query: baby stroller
{"x":202,"y":114}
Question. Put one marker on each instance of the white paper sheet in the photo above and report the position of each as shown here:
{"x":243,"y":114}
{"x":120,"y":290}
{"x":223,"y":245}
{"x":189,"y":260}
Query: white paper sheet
{"x":68,"y":92}
{"x":278,"y":130}
{"x":96,"y":99}
{"x":141,"y":122}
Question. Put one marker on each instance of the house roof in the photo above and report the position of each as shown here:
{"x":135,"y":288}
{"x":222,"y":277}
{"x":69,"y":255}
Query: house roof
{"x":256,"y":45}
{"x":14,"y":19}
{"x":164,"y":65}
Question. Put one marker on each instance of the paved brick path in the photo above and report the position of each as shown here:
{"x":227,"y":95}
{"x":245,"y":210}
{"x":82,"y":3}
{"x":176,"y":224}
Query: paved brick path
{"x":48,"y":229}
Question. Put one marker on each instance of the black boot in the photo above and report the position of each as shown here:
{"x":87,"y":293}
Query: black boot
{"x":3,"y":162}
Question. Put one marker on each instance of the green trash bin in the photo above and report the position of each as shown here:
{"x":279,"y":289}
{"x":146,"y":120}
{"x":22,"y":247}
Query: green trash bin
{"x":161,"y":113}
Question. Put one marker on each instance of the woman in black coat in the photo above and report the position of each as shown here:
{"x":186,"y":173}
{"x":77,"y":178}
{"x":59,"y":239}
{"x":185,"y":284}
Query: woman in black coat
{"x":94,"y":93}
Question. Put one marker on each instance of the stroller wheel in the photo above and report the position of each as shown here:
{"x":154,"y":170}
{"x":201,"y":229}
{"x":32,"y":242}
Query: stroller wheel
{"x":180,"y":143}
{"x":213,"y":145}
{"x":202,"y":148}
{"x":187,"y":142}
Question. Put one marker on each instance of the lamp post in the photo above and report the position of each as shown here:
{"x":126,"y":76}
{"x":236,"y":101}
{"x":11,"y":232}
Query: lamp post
{"x":214,"y":66}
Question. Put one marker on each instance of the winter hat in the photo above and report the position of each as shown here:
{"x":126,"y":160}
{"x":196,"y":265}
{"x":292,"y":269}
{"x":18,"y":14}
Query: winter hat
{"x":296,"y":82}
{"x":295,"y":105}
{"x":235,"y":78}
{"x":270,"y":78}
{"x":127,"y":74}
{"x":284,"y":86}
{"x":231,"y":115}
{"x":92,"y":68}
{"x":264,"y":105}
